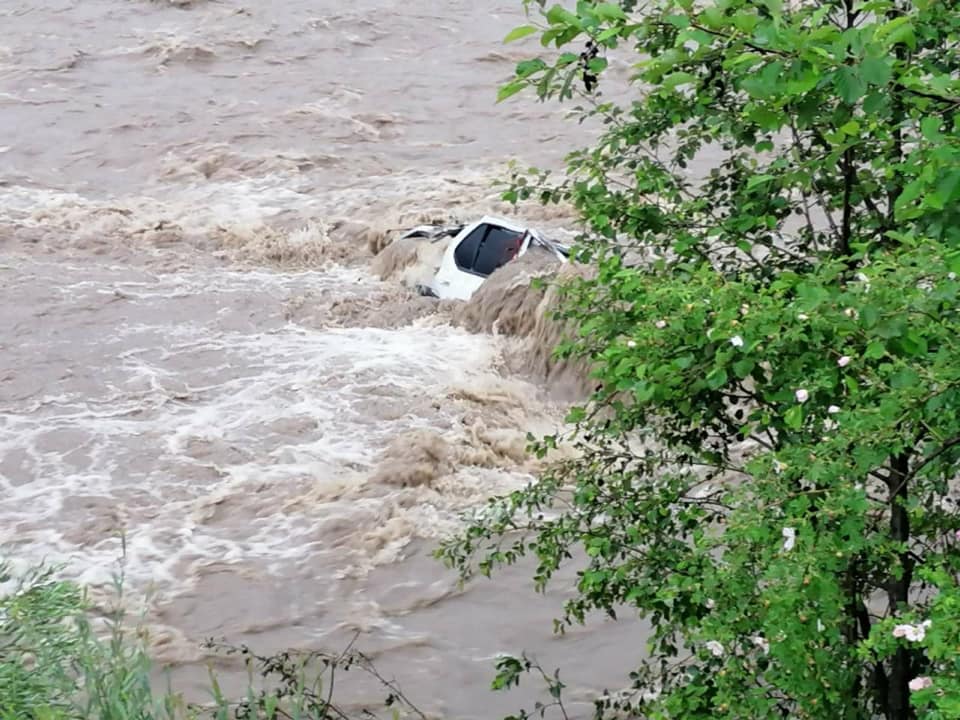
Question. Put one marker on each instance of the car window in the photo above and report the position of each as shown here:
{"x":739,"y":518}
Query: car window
{"x":497,"y":248}
{"x":466,"y":251}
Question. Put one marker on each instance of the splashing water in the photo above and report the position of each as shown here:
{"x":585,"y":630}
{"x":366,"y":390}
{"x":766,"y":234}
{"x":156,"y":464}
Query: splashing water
{"x":209,"y":343}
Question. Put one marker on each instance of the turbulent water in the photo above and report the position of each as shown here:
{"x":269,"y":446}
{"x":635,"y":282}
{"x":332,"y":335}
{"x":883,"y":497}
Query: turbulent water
{"x":199,"y":351}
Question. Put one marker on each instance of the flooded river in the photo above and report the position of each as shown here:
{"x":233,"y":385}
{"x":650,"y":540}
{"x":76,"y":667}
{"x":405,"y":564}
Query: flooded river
{"x":196,"y":352}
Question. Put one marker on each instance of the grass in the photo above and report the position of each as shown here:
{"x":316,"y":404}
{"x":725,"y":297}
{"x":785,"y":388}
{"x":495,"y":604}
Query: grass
{"x":54,"y":665}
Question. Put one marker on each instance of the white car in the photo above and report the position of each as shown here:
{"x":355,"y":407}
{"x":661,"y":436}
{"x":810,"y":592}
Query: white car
{"x":476,"y":251}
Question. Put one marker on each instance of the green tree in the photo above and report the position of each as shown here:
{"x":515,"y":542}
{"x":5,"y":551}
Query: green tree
{"x":766,"y":469}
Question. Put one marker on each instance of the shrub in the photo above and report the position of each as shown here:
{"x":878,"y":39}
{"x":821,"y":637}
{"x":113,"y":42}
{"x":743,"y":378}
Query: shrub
{"x":767,"y":470}
{"x":55,"y":666}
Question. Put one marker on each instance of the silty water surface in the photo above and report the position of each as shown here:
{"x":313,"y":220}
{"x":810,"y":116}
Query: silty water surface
{"x":194,"y":353}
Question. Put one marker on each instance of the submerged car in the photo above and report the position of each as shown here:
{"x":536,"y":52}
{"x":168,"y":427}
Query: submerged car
{"x":477,"y":250}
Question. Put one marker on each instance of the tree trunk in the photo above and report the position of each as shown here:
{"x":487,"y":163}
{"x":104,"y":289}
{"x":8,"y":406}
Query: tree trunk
{"x":898,"y":691}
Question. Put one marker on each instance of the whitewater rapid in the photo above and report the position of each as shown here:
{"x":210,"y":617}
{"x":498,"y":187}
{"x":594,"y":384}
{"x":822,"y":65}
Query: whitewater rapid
{"x":202,"y":361}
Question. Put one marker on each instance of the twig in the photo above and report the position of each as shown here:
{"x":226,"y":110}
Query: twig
{"x":369,"y":667}
{"x":333,"y":669}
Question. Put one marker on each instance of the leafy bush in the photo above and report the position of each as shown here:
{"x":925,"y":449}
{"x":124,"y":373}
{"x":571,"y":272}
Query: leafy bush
{"x":768,"y":467}
{"x":54,"y":666}
{"x":37,"y":640}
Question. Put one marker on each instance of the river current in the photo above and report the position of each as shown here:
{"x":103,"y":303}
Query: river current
{"x":199,"y":352}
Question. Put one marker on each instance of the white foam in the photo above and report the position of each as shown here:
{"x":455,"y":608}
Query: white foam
{"x":206,"y":441}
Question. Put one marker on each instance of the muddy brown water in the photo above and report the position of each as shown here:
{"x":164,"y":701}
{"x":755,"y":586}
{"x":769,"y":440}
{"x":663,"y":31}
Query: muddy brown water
{"x":196,"y":352}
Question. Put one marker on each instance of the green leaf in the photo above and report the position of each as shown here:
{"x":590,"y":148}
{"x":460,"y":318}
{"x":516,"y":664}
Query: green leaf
{"x":559,"y":15}
{"x":775,"y":6}
{"x":678,"y":78}
{"x":949,"y":187}
{"x":713,"y":17}
{"x":565,"y":89}
{"x":526,"y":68}
{"x":930,"y":128}
{"x":510,"y":89}
{"x":717,"y":378}
{"x":875,"y":70}
{"x":870,"y":315}
{"x":519,"y":32}
{"x":549,"y":36}
{"x":759,"y":180}
{"x":850,"y":128}
{"x":608,"y":34}
{"x":904,"y":379}
{"x":545,"y":82}
{"x":853,"y":387}
{"x":794,"y":417}
{"x":767,"y":120}
{"x":890,"y":328}
{"x":874,"y":102}
{"x":644,"y":391}
{"x":812,"y":295}
{"x":898,"y":30}
{"x":913,"y":343}
{"x":875,"y":350}
{"x":767,"y":82}
{"x":576,"y":414}
{"x":743,"y":368}
{"x":911,"y":191}
{"x":849,"y":84}
{"x":745,"y":22}
{"x":597,"y":65}
{"x":609,"y":11}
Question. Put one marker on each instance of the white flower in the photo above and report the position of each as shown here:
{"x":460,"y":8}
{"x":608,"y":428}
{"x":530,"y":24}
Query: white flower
{"x":744,"y":309}
{"x":844,"y":361}
{"x":789,"y":538}
{"x":833,"y":409}
{"x":802,"y":395}
{"x":736,"y":341}
{"x":715,"y":648}
{"x":710,"y":604}
{"x":951,"y":276}
{"x":631,"y":343}
{"x":820,"y":626}
{"x":913,"y":633}
{"x":920,"y":683}
{"x":779,"y":467}
{"x":851,"y":313}
{"x":803,"y":316}
{"x":761,"y":643}
{"x":661,"y":324}
{"x":916,"y":633}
